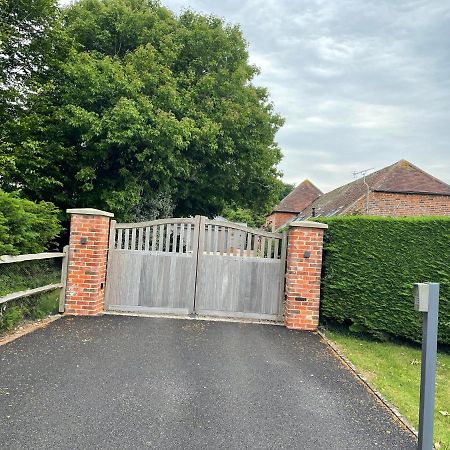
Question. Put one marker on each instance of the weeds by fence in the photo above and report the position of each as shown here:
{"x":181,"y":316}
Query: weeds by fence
{"x":33,"y":307}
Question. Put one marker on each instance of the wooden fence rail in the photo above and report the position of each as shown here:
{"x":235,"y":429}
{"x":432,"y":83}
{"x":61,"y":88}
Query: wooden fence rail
{"x":9,"y":259}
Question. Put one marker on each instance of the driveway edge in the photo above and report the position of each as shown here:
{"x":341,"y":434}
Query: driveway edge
{"x":395,"y":412}
{"x":28,"y":328}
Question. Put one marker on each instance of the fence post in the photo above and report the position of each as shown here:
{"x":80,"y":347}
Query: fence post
{"x":64,"y":266}
{"x":303,"y":272}
{"x":88,"y":253}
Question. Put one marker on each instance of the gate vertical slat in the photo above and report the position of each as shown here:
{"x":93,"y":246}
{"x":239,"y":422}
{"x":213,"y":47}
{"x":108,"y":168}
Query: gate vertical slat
{"x":182,"y":238}
{"x":120,"y":239}
{"x":174,"y":238}
{"x":263,"y":246}
{"x":161,"y":238}
{"x":236,"y":243}
{"x":167,"y":244}
{"x":269,"y":248}
{"x":140,"y":238}
{"x":236,"y":251}
{"x":187,"y":231}
{"x":220,"y":239}
{"x":248,"y":246}
{"x":209,"y":232}
{"x":210,"y":238}
{"x":126,"y":245}
{"x":216,"y":240}
{"x":147,"y":239}
{"x":154,"y":232}
{"x":276,"y":249}
{"x":204,"y":238}
{"x":226,"y":240}
{"x":205,"y":245}
{"x":188,"y":238}
{"x":133,"y":239}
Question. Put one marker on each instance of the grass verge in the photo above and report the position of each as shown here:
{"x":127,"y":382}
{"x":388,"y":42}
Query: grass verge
{"x":394,"y":369}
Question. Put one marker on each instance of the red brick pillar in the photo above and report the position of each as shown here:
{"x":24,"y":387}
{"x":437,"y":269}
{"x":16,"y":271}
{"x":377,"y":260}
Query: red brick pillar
{"x":88,"y":253}
{"x":304,"y":265}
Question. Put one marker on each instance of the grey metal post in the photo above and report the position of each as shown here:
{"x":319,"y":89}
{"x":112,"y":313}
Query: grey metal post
{"x":428,"y":369}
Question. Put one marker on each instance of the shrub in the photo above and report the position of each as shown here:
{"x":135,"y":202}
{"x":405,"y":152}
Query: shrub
{"x":370,"y":265}
{"x":26,"y":226}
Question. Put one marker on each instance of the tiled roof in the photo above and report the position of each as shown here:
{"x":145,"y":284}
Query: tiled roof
{"x":401,"y":177}
{"x":299,"y":198}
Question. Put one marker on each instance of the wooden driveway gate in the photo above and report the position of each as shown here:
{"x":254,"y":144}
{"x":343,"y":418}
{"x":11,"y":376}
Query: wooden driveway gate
{"x":195,"y":266}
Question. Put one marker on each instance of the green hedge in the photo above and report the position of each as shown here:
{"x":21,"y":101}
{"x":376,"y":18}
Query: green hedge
{"x":370,"y":265}
{"x":26,"y":226}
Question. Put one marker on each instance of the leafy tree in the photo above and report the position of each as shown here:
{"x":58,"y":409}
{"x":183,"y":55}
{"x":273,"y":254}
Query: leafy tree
{"x":148,"y":106}
{"x":150,"y":208}
{"x":26,"y":226}
{"x":241,"y":215}
{"x":31,"y":45}
{"x":25,"y":29}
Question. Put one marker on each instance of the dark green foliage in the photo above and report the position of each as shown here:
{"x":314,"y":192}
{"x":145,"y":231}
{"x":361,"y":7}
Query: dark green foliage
{"x":32,"y":45}
{"x":370,"y":265}
{"x":26,"y":226}
{"x":28,"y":31}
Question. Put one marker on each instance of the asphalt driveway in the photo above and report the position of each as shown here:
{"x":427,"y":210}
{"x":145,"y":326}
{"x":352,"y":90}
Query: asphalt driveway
{"x":126,"y":382}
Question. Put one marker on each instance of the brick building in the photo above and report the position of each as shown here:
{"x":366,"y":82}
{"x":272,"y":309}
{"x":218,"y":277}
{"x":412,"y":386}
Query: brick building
{"x":399,"y":190}
{"x":291,"y":205}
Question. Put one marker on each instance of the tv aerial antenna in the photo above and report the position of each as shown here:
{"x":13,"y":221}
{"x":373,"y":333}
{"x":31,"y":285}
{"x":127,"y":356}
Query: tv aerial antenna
{"x":363,"y":173}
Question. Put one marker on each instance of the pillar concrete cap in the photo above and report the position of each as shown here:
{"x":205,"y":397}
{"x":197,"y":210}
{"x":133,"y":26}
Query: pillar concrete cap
{"x":89,"y":212}
{"x":308,"y":224}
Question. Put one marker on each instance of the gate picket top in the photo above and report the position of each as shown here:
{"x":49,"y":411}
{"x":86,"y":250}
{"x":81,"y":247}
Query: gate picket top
{"x":176,"y":235}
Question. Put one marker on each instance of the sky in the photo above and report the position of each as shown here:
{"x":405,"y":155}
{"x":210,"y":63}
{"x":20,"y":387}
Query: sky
{"x":361,"y":84}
